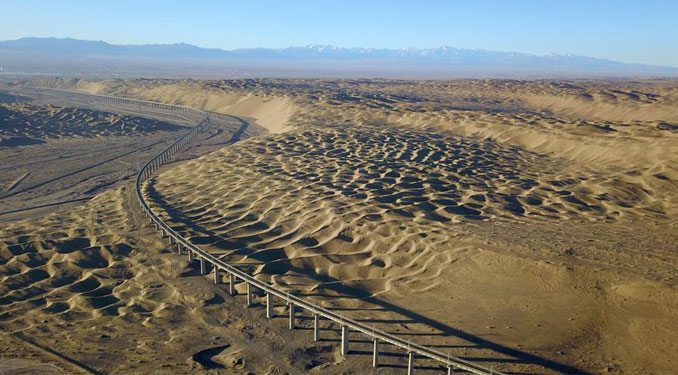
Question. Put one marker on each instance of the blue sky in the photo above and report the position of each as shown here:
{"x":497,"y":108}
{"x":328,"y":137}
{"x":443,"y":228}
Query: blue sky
{"x":640,"y":31}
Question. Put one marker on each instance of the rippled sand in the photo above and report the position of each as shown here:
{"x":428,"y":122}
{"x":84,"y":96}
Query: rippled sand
{"x":93,"y":289}
{"x":24,"y":123}
{"x":376,"y":217}
{"x":528,"y":226}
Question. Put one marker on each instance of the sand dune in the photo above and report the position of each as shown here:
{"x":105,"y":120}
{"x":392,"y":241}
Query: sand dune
{"x":368,"y":215}
{"x":51,"y":122}
{"x":625,"y":123}
{"x":93,"y":289}
{"x":528,"y":226}
{"x":76,"y":270}
{"x":61,"y":153}
{"x":270,"y":112}
{"x":52,"y":154}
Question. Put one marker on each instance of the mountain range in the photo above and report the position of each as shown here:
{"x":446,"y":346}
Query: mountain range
{"x":318,"y":58}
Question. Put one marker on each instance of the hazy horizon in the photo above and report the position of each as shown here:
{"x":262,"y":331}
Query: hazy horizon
{"x":321,"y":46}
{"x":600,"y":30}
{"x":76,"y":57}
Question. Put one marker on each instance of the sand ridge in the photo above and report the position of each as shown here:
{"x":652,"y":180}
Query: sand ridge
{"x":600,"y":123}
{"x":51,"y":154}
{"x":93,"y":289}
{"x":62,"y":152}
{"x":528,"y":226}
{"x":270,"y":112}
{"x":51,"y":122}
{"x":363,"y":214}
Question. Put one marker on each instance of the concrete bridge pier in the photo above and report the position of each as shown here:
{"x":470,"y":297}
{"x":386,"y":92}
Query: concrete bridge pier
{"x":292,"y":311}
{"x":231,"y":284}
{"x":375,"y":353}
{"x":344,"y":340}
{"x":269,"y":305}
{"x":410,"y":363}
{"x":179,"y":248}
{"x":216,"y":275}
{"x":316,"y":327}
{"x":249,"y":294}
{"x":203,"y":266}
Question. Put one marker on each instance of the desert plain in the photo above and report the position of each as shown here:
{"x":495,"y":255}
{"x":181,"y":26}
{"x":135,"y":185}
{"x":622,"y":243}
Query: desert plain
{"x":528,"y":226}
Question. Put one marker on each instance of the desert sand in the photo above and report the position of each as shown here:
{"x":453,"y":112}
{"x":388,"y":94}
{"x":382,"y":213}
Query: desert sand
{"x":530,"y":226}
{"x":66,"y":153}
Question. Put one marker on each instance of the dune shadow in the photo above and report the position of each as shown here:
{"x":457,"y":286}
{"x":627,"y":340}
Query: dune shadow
{"x":205,"y":357}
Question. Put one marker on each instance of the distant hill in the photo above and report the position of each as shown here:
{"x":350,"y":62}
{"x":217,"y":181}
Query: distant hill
{"x":79,"y":47}
{"x":47,"y":53}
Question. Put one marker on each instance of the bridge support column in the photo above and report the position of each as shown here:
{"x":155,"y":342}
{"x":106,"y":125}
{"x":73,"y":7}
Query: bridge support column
{"x":179,"y":248}
{"x":269,"y":305}
{"x":216,"y":275}
{"x":171,"y":240}
{"x":202,"y":266}
{"x":410,"y":363}
{"x":344,"y":340}
{"x":316,"y":327}
{"x":231,"y":284}
{"x":249,"y":294}
{"x":292,"y":308}
{"x":449,"y":370}
{"x":375,"y":354}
